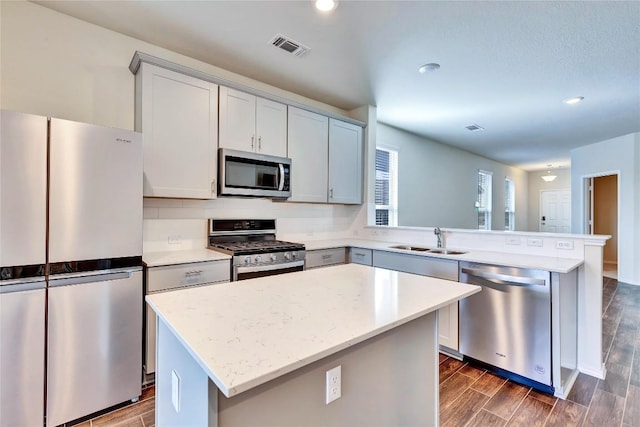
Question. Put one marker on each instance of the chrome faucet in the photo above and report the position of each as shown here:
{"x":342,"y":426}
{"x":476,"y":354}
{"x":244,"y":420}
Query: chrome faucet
{"x":438,"y":233}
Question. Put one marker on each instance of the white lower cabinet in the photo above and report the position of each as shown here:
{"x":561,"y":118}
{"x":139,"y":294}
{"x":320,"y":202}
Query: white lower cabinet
{"x":433,"y":267}
{"x":172,"y":277}
{"x":360,"y":256}
{"x":325,"y":257}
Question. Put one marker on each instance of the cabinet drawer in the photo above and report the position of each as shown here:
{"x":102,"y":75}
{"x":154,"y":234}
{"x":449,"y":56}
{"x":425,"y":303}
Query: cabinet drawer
{"x":360,"y":256}
{"x":197,"y":273}
{"x":416,"y":264}
{"x":324,"y":257}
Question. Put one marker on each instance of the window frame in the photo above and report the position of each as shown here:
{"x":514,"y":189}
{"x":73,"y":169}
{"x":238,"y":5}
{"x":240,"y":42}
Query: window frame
{"x":509,"y":204}
{"x":392,"y":207}
{"x":484,"y":209}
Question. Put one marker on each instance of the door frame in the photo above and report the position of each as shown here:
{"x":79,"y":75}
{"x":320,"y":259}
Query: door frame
{"x":587,"y":207}
{"x":540,"y":204}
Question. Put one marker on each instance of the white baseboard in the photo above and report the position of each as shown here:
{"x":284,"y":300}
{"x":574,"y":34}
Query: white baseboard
{"x":600,"y":374}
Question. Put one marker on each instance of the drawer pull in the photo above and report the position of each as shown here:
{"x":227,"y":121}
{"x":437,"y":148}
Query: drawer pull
{"x":357,"y":254}
{"x":326,"y":256}
{"x":192,"y":273}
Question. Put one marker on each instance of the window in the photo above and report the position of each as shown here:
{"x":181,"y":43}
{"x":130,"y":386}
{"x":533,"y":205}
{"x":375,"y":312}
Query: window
{"x":386,"y":187}
{"x":509,"y":204}
{"x":483,"y":204}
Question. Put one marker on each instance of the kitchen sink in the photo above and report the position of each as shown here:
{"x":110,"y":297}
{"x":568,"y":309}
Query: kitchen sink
{"x":411,"y":248}
{"x":446,"y":252}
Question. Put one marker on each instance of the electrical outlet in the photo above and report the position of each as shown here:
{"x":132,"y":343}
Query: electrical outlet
{"x":534,"y":242}
{"x":334,"y":384}
{"x":564,"y":244}
{"x":514,"y":241}
{"x":176,"y":239}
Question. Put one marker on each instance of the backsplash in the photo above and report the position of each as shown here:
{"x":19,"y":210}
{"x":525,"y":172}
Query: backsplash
{"x":180,"y":224}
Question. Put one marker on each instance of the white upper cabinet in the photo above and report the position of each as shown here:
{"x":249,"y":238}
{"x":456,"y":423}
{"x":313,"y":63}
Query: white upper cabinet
{"x":250,"y":123}
{"x":345,"y":162}
{"x":308,"y":148}
{"x":178,"y":116}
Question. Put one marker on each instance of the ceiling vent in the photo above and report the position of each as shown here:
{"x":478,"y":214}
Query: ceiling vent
{"x":474,"y":128}
{"x":288,"y":45}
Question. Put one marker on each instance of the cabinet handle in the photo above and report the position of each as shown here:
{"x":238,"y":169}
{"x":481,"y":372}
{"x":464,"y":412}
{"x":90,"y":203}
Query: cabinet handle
{"x":192,"y":273}
{"x":331,"y":193}
{"x":326,"y":256}
{"x":213,"y":187}
{"x":252,"y":144}
{"x":260,"y":143}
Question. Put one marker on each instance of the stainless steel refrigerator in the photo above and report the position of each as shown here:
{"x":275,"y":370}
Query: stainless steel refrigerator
{"x":92,"y":241}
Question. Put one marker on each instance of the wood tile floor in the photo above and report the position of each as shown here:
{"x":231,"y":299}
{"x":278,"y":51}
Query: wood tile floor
{"x":473,"y":397}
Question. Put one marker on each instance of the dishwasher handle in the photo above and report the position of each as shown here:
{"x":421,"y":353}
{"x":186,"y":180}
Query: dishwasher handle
{"x":505,"y":278}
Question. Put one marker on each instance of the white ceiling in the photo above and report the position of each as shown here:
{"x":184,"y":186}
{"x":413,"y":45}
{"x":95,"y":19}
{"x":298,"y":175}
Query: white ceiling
{"x":505,"y":65}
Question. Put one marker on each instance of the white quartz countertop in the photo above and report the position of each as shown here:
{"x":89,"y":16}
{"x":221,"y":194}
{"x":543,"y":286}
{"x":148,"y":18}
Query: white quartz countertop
{"x":247,"y":333}
{"x":156,"y":259}
{"x":548,"y":263}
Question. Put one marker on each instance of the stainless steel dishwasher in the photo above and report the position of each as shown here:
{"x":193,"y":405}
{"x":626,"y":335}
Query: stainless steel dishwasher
{"x":508,"y":324}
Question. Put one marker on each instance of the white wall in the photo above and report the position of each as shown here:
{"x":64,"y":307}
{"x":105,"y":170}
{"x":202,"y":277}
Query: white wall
{"x":55,"y":65}
{"x":620,"y":155}
{"x":537,"y":184}
{"x":438,"y":184}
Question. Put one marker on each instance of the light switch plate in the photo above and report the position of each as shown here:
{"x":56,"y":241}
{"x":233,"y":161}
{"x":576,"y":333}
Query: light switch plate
{"x":175,"y":390}
{"x":564,"y":244}
{"x":534,"y":242}
{"x":513,"y":240}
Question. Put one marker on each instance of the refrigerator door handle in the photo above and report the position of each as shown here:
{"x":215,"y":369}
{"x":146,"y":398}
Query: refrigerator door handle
{"x":89,"y":278}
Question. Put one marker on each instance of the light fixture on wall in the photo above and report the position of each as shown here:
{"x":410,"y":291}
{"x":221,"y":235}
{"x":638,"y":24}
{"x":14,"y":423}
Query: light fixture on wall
{"x":548,"y":177}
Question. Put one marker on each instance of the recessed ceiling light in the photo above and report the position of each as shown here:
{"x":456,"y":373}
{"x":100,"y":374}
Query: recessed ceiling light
{"x":326,"y":5}
{"x":430,"y":67}
{"x":574,"y":100}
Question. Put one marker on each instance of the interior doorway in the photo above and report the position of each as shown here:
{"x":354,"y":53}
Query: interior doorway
{"x":602,"y":217}
{"x":555,"y":211}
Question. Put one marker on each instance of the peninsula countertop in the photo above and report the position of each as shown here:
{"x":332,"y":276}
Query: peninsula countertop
{"x":247,"y":333}
{"x":539,"y":262}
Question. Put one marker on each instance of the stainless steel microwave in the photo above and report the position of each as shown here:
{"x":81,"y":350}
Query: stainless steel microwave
{"x":242,"y":173}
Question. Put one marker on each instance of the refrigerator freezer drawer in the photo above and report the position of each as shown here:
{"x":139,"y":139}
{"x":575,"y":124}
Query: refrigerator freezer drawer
{"x":22,"y":357}
{"x":94,"y":346}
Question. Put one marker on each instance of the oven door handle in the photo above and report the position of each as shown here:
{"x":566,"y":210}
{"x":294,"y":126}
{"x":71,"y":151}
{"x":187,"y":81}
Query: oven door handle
{"x":269,"y":267}
{"x":281,"y":181}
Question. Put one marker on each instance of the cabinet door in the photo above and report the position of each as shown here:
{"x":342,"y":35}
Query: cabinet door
{"x":308,"y":145}
{"x":448,"y":326}
{"x":237,"y":120}
{"x":325,"y":257}
{"x":178,"y":116}
{"x":345,"y":162}
{"x":271,"y":127}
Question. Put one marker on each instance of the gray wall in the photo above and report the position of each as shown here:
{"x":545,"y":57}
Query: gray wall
{"x":437,"y":184}
{"x":536,"y":185}
{"x":618,"y":155}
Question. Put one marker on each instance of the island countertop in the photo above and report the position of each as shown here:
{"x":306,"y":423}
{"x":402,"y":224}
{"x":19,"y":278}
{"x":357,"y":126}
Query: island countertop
{"x":247,"y":333}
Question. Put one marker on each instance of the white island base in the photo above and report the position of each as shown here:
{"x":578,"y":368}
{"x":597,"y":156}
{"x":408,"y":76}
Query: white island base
{"x":256,"y":352}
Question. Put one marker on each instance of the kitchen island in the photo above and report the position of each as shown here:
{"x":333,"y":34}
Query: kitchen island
{"x":256,"y":352}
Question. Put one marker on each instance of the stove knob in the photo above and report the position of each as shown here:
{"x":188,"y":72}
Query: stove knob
{"x":287,"y":256}
{"x":273,"y":257}
{"x":294,"y":255}
{"x":247,"y":260}
{"x":258,"y":258}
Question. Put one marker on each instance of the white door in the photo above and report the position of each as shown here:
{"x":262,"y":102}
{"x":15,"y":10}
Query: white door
{"x":178,"y":116}
{"x":271,"y":127}
{"x":345,"y":162}
{"x":237,"y":120}
{"x":308,"y":148}
{"x":555,"y":211}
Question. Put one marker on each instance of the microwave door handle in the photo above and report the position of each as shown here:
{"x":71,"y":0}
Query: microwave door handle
{"x":281,"y":181}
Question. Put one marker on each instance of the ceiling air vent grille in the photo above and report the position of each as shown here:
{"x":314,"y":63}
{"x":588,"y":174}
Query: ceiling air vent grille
{"x":289,"y":45}
{"x":474,"y":128}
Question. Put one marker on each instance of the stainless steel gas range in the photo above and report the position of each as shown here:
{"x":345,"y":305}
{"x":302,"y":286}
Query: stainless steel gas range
{"x":254,"y":249}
